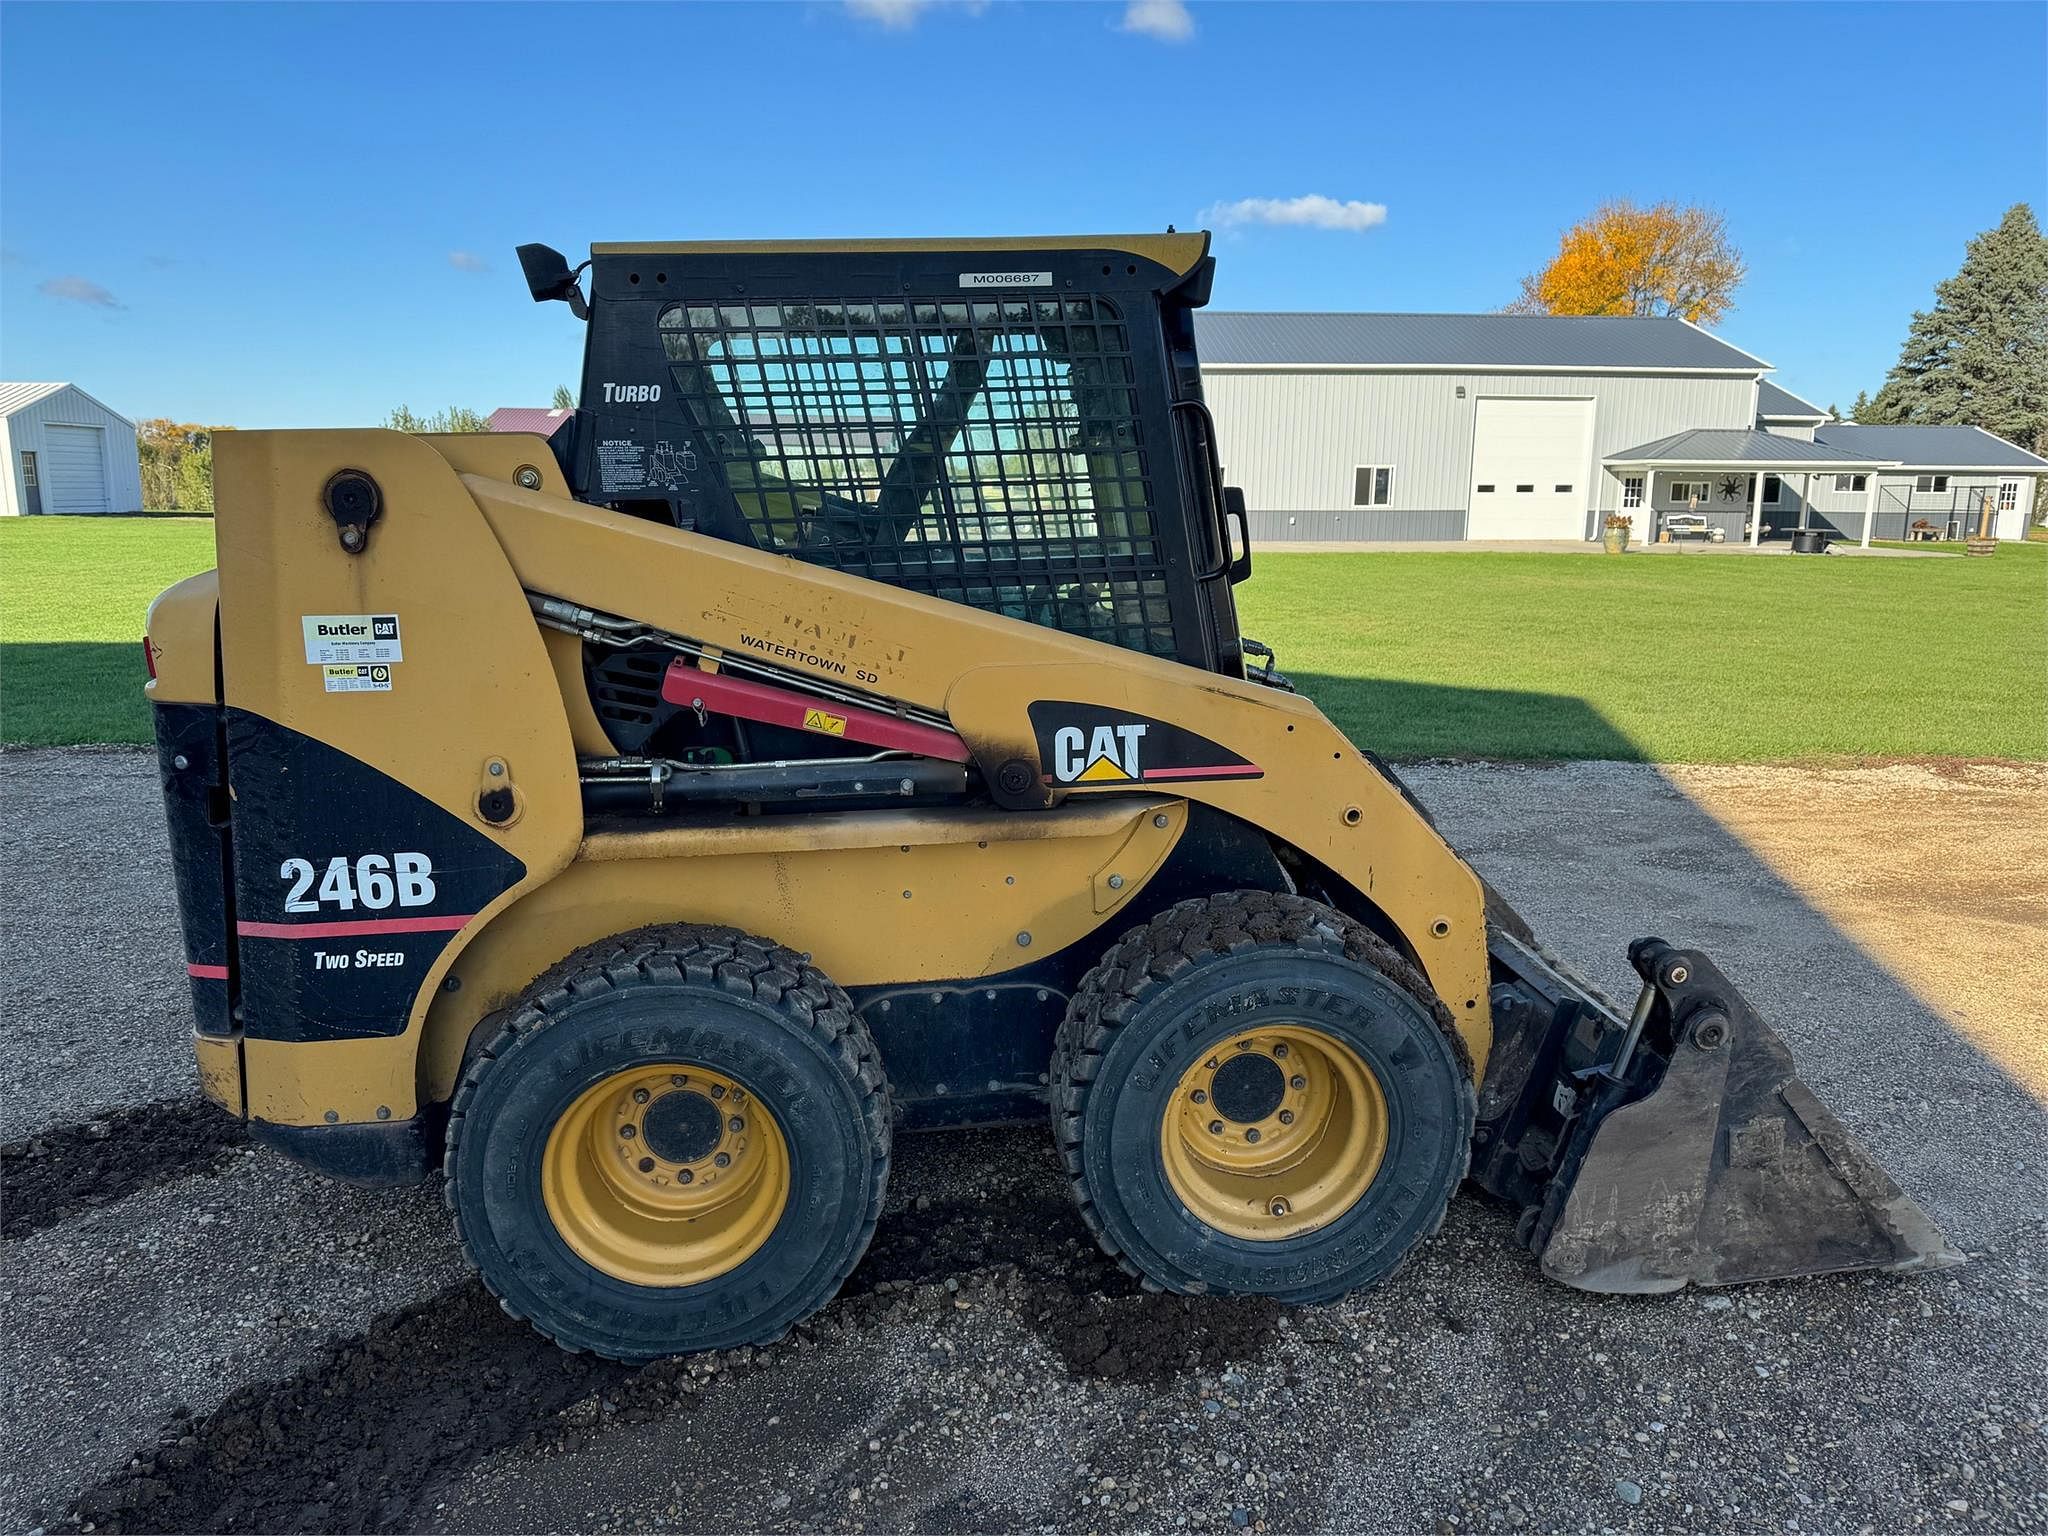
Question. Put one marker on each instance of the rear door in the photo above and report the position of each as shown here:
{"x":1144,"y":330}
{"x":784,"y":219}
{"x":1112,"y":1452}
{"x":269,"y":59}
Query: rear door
{"x":1530,"y":460}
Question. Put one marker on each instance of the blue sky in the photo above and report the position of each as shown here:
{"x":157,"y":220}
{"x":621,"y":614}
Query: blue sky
{"x":301,"y":215}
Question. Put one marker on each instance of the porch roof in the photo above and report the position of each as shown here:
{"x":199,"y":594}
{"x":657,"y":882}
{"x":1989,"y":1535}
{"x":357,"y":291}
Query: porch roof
{"x":1736,"y":448}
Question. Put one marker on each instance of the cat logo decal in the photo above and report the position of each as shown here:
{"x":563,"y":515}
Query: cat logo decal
{"x":1088,"y":744}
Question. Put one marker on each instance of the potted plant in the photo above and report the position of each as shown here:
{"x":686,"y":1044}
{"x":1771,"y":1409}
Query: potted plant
{"x":1614,"y":533}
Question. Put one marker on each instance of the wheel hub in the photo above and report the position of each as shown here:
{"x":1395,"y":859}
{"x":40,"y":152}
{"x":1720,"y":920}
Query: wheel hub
{"x":1274,"y":1133}
{"x":665,"y":1175}
{"x":1248,"y":1087}
{"x":682,"y":1126}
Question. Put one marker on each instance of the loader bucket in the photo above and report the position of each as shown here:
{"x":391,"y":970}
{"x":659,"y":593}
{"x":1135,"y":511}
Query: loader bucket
{"x":1689,"y":1150}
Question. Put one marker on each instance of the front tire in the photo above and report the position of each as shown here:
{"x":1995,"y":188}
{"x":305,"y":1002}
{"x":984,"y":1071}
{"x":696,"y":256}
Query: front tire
{"x":678,"y":1141}
{"x":1255,"y":1095}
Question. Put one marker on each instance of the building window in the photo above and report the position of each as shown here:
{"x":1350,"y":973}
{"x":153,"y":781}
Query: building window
{"x":1851,"y":482}
{"x":1372,"y":485}
{"x":1774,"y":488}
{"x":2008,"y":495}
{"x":1684,"y":491}
{"x":1486,"y":490}
{"x":1525,"y":487}
{"x":1631,"y":492}
{"x":1931,"y":483}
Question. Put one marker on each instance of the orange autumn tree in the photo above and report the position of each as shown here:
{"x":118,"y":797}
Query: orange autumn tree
{"x":1625,"y":260}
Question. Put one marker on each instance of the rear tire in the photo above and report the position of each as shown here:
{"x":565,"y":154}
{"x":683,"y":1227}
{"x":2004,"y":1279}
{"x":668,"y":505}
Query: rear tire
{"x":1251,"y":1014}
{"x":678,"y":1141}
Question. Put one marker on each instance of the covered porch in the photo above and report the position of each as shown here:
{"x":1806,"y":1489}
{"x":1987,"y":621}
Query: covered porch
{"x":1730,"y":485}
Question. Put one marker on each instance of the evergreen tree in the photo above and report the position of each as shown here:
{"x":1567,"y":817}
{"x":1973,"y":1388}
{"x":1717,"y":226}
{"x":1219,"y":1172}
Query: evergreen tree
{"x":1979,"y":357}
{"x":1859,"y":412}
{"x":564,"y":401}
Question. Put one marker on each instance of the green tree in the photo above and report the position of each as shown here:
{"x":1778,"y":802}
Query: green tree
{"x":195,"y":480}
{"x":176,"y":459}
{"x":457,"y":418}
{"x":1859,"y":411}
{"x":1979,"y":357}
{"x":564,"y":401}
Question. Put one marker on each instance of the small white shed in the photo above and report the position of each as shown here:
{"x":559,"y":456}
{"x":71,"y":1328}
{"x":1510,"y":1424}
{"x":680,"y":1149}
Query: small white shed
{"x":65,"y":452}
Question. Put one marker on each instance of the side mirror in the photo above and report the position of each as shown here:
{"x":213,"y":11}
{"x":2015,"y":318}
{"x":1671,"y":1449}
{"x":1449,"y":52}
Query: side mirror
{"x":549,"y":276}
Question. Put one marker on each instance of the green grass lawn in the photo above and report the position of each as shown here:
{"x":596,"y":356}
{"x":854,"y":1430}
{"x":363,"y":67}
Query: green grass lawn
{"x":73,"y":591}
{"x":1717,"y":659}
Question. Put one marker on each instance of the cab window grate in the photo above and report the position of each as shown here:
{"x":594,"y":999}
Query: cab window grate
{"x":988,"y":451}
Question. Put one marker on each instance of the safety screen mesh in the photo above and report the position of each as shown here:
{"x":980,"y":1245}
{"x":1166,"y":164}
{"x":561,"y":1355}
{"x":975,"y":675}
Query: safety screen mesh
{"x":989,"y":452}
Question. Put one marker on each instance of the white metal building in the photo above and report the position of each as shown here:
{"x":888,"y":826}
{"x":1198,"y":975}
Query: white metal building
{"x":65,"y":452}
{"x":1355,"y":427}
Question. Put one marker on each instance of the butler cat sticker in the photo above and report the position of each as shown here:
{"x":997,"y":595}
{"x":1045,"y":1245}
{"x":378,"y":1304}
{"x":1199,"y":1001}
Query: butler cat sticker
{"x":1089,"y":744}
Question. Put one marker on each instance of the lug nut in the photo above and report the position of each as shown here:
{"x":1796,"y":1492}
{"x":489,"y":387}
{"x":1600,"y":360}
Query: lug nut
{"x":647,"y":1165}
{"x":735,"y":1124}
{"x":639,"y":1095}
{"x":739,"y":1096}
{"x":723,"y":1160}
{"x":1252,"y":1134}
{"x":1297,"y":1082}
{"x":1279,"y":1207}
{"x":627,"y":1131}
{"x":1287,"y":1117}
{"x":1200,"y":1096}
{"x":1215,"y":1127}
{"x":718,"y":1090}
{"x":1280,"y":1049}
{"x":685,"y":1177}
{"x":680,"y":1078}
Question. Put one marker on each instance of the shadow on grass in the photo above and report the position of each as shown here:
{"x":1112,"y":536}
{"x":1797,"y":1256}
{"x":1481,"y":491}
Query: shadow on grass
{"x":71,"y":693}
{"x":1405,"y":721}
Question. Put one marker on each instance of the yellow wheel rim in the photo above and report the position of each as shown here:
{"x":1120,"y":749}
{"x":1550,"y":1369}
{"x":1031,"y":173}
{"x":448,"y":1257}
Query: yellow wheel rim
{"x":665,"y":1175}
{"x":1274,"y":1133}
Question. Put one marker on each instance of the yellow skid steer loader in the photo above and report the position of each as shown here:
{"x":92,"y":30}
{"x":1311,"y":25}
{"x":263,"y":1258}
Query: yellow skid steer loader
{"x":841,"y":726}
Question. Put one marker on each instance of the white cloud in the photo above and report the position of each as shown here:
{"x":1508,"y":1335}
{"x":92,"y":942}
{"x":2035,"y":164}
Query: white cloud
{"x":467,"y":261}
{"x":80,"y":290}
{"x":1167,"y":20}
{"x":896,"y":15}
{"x":1313,"y":212}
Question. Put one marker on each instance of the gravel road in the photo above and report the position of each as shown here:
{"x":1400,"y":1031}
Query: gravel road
{"x":201,"y":1338}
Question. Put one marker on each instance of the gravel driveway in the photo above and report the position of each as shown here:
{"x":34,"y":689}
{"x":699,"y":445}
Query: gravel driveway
{"x":202,"y":1338}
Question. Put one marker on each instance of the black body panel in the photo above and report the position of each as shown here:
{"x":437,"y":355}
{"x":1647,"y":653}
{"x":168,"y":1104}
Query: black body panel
{"x":192,"y":765}
{"x":347,"y":886}
{"x":977,"y":1052}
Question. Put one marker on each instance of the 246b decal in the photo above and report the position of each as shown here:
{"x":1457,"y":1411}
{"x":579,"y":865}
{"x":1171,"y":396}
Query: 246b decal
{"x":372,"y":879}
{"x":1089,"y":744}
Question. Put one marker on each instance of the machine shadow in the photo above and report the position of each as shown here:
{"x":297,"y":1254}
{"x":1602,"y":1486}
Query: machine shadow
{"x":1600,"y":852}
{"x":1409,"y":720}
{"x":62,"y":693}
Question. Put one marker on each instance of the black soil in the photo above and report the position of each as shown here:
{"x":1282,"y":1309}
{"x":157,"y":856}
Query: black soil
{"x":57,"y":1173}
{"x":365,"y":1437}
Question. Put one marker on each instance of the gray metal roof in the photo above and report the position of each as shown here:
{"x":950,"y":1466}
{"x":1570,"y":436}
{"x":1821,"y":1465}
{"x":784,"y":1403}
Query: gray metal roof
{"x":1776,"y":403}
{"x":15,"y":397}
{"x":1713,"y":447}
{"x":1578,"y":342}
{"x":1932,"y":447}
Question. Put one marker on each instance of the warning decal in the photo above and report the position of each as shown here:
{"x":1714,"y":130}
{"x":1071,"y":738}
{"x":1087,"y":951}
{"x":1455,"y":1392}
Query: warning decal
{"x":364,"y":677}
{"x":333,"y":638}
{"x":825,"y":722}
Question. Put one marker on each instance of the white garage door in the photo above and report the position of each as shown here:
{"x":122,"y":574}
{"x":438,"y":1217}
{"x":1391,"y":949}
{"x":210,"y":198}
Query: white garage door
{"x":1529,"y":464}
{"x":74,"y":469}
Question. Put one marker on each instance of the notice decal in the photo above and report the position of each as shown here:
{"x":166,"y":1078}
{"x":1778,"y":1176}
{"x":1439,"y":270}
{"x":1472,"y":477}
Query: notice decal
{"x":333,"y":638}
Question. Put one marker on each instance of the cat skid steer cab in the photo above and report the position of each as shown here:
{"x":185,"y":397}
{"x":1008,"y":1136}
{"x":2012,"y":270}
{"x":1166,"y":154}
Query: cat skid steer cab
{"x":841,"y":728}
